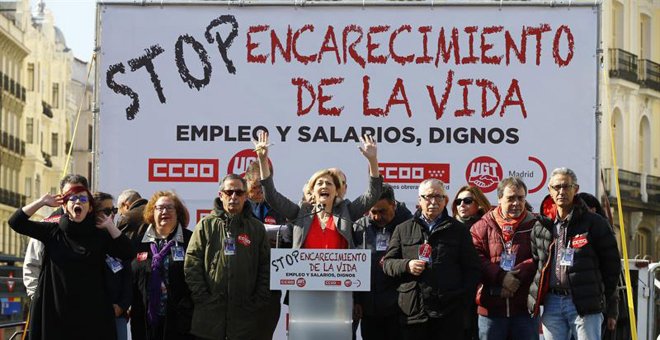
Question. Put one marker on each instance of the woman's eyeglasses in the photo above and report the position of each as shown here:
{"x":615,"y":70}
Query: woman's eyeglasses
{"x":467,"y":200}
{"x":81,"y":198}
{"x":109,"y":211}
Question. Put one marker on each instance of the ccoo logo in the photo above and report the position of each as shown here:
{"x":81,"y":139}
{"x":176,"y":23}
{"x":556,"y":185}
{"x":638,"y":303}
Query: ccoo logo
{"x":183,"y":170}
{"x":484,"y":172}
{"x":413,"y":172}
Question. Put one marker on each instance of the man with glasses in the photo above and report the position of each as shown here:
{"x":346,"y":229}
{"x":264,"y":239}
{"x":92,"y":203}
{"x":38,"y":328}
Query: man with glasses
{"x":227,"y":267}
{"x":578,"y":264}
{"x":502,"y":240}
{"x":433,"y":257}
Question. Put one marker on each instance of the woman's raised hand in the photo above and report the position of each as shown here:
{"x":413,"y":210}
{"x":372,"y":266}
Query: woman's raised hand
{"x":368,"y":148}
{"x":104,"y":222}
{"x":52,"y":200}
{"x":261,"y":145}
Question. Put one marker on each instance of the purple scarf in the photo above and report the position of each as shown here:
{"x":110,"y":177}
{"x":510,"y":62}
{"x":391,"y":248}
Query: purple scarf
{"x":156,"y":280}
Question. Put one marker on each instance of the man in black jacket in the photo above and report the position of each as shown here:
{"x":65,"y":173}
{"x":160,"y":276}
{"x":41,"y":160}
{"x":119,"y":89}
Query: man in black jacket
{"x":131,"y":208}
{"x":378,"y":308}
{"x":578,"y":264}
{"x":433,"y":257}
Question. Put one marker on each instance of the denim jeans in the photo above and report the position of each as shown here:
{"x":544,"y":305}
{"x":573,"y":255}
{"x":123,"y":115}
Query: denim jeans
{"x":522,"y":327}
{"x":122,"y":328}
{"x":560,"y":320}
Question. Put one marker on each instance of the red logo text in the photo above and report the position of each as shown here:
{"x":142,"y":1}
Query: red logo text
{"x":413,"y":172}
{"x":183,"y":170}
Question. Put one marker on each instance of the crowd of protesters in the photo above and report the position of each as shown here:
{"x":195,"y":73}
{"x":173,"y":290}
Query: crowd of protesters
{"x":482,"y":273}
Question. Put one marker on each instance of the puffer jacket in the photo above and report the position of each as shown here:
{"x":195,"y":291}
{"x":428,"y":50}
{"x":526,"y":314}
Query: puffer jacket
{"x":448,"y":283}
{"x":489,"y":243}
{"x":301,"y":217}
{"x":596,"y":262}
{"x":227,"y":290}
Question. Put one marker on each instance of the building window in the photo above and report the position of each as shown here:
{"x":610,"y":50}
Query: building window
{"x":89,"y":172}
{"x":29,"y":130}
{"x":90,"y":137}
{"x":645,"y":37}
{"x":28,"y":187}
{"x":30,"y":77}
{"x":37,"y":186}
{"x":56,"y":96}
{"x":54,"y":144}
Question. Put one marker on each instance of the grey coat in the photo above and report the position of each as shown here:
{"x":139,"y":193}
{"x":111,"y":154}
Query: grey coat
{"x":301,"y":216}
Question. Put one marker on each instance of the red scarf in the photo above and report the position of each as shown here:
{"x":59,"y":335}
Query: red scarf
{"x":507,"y":225}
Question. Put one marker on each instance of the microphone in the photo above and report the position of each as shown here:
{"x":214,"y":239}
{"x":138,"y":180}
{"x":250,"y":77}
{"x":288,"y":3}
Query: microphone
{"x":316,"y":209}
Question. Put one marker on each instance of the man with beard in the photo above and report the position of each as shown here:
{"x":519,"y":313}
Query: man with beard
{"x":378,"y":307}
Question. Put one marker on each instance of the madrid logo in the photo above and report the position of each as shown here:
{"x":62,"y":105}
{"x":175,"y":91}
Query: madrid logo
{"x":484,"y":172}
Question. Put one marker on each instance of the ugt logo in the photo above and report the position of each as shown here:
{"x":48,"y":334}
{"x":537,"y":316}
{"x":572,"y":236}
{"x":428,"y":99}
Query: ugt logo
{"x":484,"y":172}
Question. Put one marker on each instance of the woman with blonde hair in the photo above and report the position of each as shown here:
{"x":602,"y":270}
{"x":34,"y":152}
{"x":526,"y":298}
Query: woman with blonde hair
{"x":325,"y":220}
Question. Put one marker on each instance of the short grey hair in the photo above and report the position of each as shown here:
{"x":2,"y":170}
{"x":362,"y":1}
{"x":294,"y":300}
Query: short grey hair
{"x":231,"y":177}
{"x":566,"y":172}
{"x":515,"y":182}
{"x":431,"y":182}
{"x":129,"y":196}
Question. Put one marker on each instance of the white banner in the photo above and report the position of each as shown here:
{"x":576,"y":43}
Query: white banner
{"x":320,"y":269}
{"x":465,"y":94}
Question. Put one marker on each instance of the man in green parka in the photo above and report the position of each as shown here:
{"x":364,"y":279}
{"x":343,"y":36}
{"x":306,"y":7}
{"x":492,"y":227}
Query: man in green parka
{"x":227,"y":267}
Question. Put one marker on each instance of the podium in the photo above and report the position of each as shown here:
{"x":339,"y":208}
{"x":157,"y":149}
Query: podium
{"x":321,"y":283}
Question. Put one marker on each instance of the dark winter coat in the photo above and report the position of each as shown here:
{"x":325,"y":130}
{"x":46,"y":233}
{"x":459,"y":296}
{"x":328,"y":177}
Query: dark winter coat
{"x":70,"y":301}
{"x":228,"y":290}
{"x":596,"y":264}
{"x":381,"y":300}
{"x":448,"y":283}
{"x":179,"y":308}
{"x":489,"y":243}
{"x":132,"y":222}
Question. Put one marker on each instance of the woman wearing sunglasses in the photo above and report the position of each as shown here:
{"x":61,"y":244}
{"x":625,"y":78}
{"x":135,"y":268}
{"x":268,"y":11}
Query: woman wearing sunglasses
{"x":469,"y":205}
{"x":118,"y":277}
{"x":70,"y":302}
{"x":162,"y":306}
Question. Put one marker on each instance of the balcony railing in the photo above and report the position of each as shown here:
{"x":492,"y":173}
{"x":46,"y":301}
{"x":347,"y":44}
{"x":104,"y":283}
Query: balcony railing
{"x":634,"y":186}
{"x":47,"y":111}
{"x":649,"y":75}
{"x":11,"y":198}
{"x":623,"y":65}
{"x":12,"y":86}
{"x":47,"y":161}
{"x":12,"y":143}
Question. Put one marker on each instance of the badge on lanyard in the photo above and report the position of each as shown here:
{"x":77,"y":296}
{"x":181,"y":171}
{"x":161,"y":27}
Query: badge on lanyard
{"x":425,"y":252}
{"x":382,"y":239}
{"x":114,"y":264}
{"x":508,"y":257}
{"x":566,"y":258}
{"x":177,"y":253}
{"x":230,"y":245}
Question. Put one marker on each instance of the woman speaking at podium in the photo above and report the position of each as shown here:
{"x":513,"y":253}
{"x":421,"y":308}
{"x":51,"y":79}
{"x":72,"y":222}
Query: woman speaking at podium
{"x":326,"y":221}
